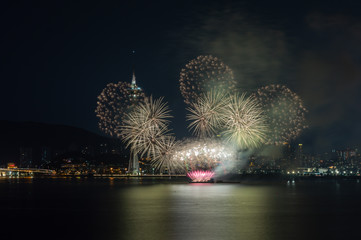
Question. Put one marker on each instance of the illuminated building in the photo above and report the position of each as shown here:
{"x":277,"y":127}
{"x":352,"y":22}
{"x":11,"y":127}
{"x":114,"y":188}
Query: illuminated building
{"x":135,"y":90}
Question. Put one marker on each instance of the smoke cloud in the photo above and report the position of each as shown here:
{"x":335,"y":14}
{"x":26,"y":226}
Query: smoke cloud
{"x":320,"y":62}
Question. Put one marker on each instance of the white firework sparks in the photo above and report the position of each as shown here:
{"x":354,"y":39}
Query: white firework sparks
{"x":244,"y":123}
{"x":145,"y":126}
{"x":163,"y":155}
{"x":284,"y":112}
{"x":205,"y":114}
{"x":202,"y":74}
{"x":113,"y":102}
{"x":203,"y":154}
{"x":239,"y":119}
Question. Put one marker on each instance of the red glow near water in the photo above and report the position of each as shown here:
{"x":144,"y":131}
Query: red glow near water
{"x":200,"y":175}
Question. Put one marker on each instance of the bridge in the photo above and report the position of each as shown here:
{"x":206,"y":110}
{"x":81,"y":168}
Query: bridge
{"x":19,"y":172}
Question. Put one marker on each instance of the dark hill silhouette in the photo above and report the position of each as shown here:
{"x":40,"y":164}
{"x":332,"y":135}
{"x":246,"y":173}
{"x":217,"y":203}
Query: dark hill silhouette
{"x":16,"y":135}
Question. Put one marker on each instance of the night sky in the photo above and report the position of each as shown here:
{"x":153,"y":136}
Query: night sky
{"x":57,"y":56}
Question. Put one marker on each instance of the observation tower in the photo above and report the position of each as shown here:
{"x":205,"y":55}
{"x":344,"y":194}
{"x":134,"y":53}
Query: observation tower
{"x":136,"y":94}
{"x":135,"y":91}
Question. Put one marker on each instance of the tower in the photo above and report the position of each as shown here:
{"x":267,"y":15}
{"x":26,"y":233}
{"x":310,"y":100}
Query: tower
{"x":136,"y":94}
{"x":133,"y":164}
{"x":134,"y":83}
{"x":135,"y":91}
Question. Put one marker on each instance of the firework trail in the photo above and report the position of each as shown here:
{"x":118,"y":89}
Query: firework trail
{"x":284,"y":111}
{"x":202,"y":74}
{"x":114,"y":101}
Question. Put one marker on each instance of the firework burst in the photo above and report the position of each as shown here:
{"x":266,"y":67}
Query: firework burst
{"x":205,"y":114}
{"x":244,"y":123}
{"x":145,"y":126}
{"x":200,"y":176}
{"x":163,"y":155}
{"x":285,"y":113}
{"x":203,"y":74}
{"x":114,"y":101}
{"x":203,"y":154}
{"x":237,"y":118}
{"x":145,"y":131}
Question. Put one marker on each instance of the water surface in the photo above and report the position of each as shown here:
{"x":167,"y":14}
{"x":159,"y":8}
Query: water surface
{"x":71,"y":208}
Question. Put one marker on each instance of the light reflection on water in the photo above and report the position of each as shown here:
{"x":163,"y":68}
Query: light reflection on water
{"x":217,"y":211}
{"x":235,"y":211}
{"x":197,"y":211}
{"x":128,"y":209}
